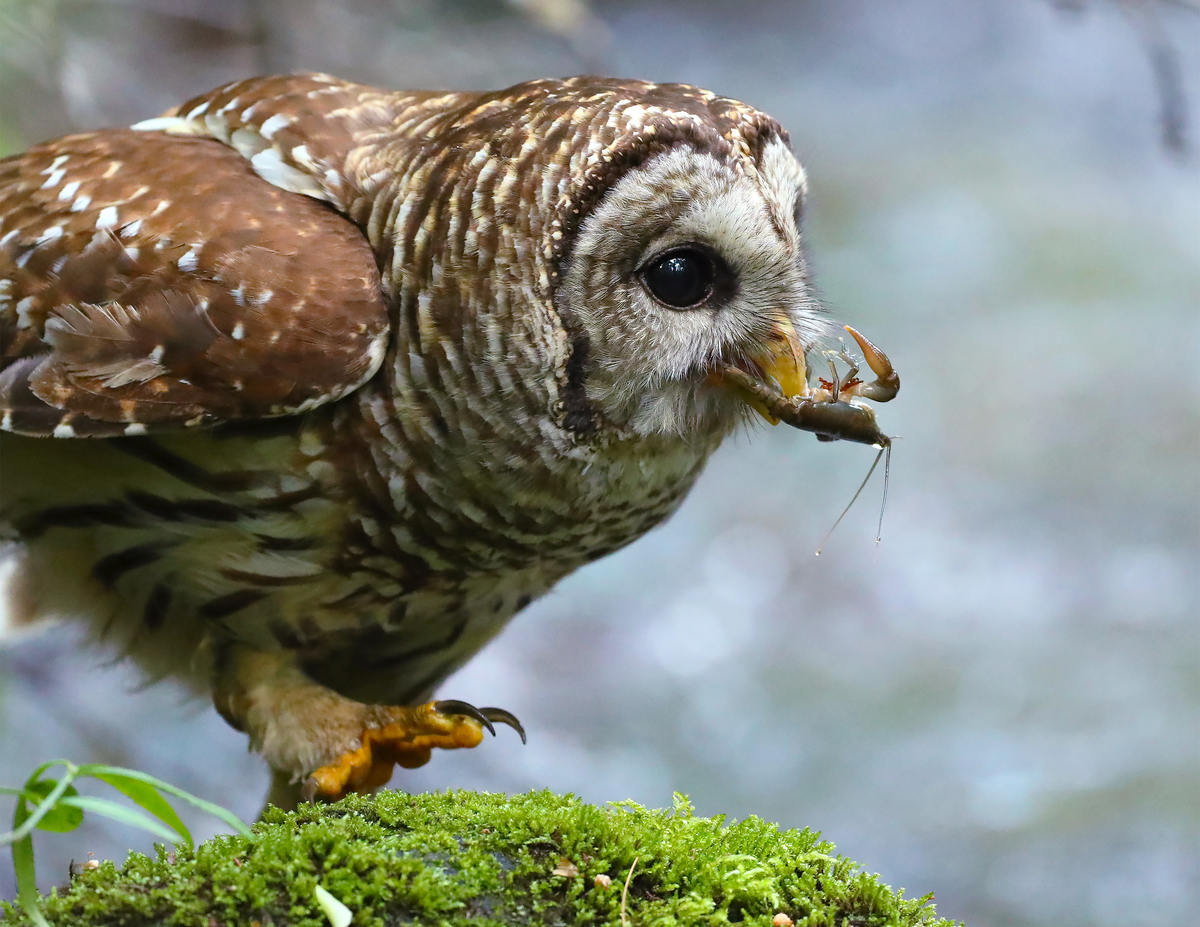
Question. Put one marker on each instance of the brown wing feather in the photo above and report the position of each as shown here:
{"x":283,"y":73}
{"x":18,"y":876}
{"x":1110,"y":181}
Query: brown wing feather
{"x":152,"y":280}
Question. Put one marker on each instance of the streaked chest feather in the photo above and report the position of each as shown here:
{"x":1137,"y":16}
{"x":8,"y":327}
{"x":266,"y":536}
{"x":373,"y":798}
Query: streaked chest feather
{"x":384,"y":571}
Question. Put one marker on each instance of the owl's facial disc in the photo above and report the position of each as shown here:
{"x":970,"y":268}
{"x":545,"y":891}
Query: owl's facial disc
{"x":687,"y":265}
{"x":690,"y":277}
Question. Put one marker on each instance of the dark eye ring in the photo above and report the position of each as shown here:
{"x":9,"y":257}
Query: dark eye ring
{"x":682,"y":278}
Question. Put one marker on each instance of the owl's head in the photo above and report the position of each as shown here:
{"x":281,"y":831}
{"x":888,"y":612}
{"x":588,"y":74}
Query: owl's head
{"x":613,"y":244}
{"x":682,"y":254}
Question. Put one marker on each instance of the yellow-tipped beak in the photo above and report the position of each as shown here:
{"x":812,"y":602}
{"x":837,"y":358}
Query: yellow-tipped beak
{"x":781,"y":359}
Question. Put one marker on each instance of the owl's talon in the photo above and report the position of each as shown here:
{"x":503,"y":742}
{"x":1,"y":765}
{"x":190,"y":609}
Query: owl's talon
{"x":453,"y":706}
{"x":501,"y":716}
{"x":405,"y":737}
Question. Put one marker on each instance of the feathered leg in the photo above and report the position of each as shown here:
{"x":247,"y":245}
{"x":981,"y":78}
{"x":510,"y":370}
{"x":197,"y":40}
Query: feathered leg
{"x":320,"y":744}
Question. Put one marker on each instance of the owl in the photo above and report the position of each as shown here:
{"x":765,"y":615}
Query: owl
{"x":308,"y":387}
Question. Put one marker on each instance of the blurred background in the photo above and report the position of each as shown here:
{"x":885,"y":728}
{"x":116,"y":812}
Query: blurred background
{"x":999,"y":703}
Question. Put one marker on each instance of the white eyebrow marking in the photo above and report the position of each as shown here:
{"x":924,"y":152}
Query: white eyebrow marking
{"x":107,"y":218}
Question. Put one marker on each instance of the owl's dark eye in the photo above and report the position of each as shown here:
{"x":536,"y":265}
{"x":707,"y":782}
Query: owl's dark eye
{"x":680,"y":279}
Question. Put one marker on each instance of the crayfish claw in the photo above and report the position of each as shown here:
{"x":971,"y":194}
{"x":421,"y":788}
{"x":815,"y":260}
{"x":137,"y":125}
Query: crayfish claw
{"x":887,"y":382}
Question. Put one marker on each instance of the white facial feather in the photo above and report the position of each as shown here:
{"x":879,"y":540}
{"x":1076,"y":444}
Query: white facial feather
{"x":648,"y":363}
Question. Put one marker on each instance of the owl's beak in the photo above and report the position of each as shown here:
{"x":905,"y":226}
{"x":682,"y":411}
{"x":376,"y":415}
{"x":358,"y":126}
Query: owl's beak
{"x":774,"y":383}
{"x":781,"y":359}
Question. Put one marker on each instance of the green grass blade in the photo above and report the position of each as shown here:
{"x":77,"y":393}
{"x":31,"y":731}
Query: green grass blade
{"x":147,"y":796}
{"x":23,"y":866}
{"x":61,"y":818}
{"x":50,"y":764}
{"x":110,"y":809}
{"x":25,"y":827}
{"x":231,"y":819}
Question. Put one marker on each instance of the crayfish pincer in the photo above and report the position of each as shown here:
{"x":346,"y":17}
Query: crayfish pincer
{"x":829,"y":410}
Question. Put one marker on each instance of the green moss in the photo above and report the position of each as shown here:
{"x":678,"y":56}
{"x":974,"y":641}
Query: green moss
{"x":453,"y":857}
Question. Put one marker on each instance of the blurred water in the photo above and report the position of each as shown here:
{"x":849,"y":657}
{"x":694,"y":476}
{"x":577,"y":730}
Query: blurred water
{"x":1000,"y":702}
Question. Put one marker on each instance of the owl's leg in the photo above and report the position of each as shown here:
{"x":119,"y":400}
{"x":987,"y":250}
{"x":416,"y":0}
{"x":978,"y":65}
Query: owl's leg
{"x":320,"y":744}
{"x":283,"y":794}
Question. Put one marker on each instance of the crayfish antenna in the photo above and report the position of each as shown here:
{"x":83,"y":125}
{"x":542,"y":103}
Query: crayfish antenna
{"x":887,"y":469}
{"x":887,"y":472}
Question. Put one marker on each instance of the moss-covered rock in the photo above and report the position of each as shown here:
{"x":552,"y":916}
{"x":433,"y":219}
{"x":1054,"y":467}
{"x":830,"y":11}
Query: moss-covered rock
{"x":454,"y":857}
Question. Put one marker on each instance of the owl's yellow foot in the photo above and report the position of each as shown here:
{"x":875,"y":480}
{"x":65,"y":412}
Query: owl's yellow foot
{"x":404,"y":736}
{"x":321,"y":744}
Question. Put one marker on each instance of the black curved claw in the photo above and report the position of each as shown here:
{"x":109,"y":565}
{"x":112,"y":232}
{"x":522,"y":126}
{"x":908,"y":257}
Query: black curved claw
{"x":453,"y":706}
{"x":504,"y":717}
